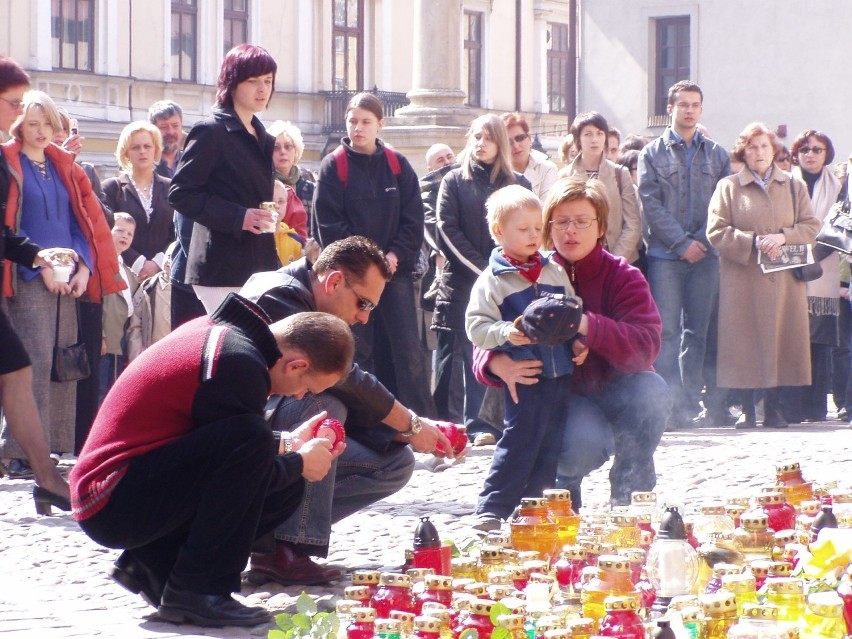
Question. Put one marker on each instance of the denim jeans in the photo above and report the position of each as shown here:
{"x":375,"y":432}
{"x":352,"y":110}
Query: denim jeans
{"x":359,"y":477}
{"x":685,"y":294}
{"x":627,"y":419}
{"x":191,"y":509}
{"x":524,"y":462}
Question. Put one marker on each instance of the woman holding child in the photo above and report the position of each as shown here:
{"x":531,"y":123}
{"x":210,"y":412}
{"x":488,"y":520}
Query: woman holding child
{"x":616,"y":403}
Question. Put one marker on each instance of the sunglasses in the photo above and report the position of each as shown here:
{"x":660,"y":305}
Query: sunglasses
{"x":363,"y":303}
{"x":520,"y":137}
{"x":816,"y":150}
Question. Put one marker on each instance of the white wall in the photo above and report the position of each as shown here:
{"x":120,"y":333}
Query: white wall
{"x":776,"y":61}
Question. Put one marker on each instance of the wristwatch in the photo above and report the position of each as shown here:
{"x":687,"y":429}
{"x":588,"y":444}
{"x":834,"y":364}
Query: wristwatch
{"x":282,"y":435}
{"x":414,"y":426}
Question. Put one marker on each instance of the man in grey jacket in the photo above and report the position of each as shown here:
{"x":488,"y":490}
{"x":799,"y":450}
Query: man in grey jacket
{"x":678,"y":173}
{"x":347,"y":280}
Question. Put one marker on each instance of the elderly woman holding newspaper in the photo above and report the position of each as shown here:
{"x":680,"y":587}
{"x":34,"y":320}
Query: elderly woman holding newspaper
{"x":760,"y":215}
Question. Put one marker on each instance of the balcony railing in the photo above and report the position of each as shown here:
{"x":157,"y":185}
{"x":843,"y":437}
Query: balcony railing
{"x":336,"y":101}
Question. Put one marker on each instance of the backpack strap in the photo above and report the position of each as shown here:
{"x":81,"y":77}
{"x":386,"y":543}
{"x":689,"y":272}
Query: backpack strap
{"x":342,"y":164}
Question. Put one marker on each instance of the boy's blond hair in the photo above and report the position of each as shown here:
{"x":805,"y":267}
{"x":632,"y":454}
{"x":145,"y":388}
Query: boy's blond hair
{"x":503,"y":202}
{"x":125,"y":217}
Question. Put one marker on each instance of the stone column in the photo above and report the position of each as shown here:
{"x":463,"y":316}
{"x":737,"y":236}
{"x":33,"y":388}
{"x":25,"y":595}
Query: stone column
{"x":436,"y":95}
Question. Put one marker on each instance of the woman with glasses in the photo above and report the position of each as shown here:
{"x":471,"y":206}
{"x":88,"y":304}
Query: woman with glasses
{"x":783,"y":160}
{"x":812,"y":154}
{"x":617,"y":405}
{"x":532,"y":164}
{"x":289,"y":147}
{"x":763,"y":317}
{"x":624,"y":227}
{"x":366,"y":188}
{"x":485,"y":166}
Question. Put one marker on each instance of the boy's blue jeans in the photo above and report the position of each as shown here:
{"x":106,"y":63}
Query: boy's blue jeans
{"x":525,"y":459}
{"x":626,"y":419}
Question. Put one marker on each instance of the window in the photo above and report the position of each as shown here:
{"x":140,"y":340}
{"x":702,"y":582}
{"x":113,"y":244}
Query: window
{"x":347,"y":41}
{"x":72,"y":31}
{"x":236,"y":23}
{"x":473,"y":57}
{"x":672,"y":62}
{"x":184,"y":39}
{"x":558,"y":69}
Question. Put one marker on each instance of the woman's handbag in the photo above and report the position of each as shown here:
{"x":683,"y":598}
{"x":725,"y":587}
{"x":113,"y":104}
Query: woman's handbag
{"x":70,"y":363}
{"x":836,"y":230}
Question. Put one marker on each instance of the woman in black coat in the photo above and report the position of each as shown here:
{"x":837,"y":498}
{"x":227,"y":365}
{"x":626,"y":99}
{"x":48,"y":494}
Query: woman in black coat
{"x":144,"y":195}
{"x":224,"y":175}
{"x":466,"y":243}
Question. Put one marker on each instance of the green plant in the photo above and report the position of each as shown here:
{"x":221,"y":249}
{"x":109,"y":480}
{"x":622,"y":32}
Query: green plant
{"x":306,"y":622}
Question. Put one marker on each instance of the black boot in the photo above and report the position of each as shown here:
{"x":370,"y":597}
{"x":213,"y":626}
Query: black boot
{"x":773,"y":418}
{"x":747,"y":419}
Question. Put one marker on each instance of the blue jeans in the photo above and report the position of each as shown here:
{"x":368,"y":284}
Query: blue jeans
{"x":685,"y":294}
{"x":627,"y":419}
{"x":524,"y":462}
{"x":359,"y":477}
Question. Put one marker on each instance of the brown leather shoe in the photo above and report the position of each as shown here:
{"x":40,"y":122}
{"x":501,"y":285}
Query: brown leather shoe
{"x":288,"y":567}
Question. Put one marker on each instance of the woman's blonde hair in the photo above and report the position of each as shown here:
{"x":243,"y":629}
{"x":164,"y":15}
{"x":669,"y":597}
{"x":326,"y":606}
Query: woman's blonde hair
{"x":496,"y":130}
{"x":290,"y":130}
{"x":124,"y":142}
{"x":37,"y":99}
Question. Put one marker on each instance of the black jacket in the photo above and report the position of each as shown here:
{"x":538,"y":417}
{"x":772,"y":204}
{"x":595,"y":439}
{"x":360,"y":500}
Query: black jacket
{"x":225,"y":170}
{"x":464,"y":239}
{"x":287,"y":291}
{"x":151,"y":237}
{"x":377,"y":204}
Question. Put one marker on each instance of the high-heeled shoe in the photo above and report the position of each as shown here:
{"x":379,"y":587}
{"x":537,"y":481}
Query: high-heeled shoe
{"x":44,"y":499}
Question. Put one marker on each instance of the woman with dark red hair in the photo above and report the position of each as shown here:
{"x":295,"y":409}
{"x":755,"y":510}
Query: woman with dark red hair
{"x":224,"y":175}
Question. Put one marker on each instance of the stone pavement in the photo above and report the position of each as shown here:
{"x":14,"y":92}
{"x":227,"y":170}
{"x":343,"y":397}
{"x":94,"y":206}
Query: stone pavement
{"x":53,"y":579}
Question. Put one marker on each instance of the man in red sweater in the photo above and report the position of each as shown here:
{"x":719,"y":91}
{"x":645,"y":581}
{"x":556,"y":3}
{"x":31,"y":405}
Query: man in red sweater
{"x":180,"y":468}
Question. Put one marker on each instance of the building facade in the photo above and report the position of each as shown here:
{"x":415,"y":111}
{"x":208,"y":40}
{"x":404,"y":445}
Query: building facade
{"x":446,"y":61}
{"x":781,"y":62}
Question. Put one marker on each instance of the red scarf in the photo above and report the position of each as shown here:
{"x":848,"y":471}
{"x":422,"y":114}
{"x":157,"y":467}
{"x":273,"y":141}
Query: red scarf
{"x":531,"y":269}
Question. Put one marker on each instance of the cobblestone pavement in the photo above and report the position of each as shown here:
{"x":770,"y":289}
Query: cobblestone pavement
{"x":53,"y":580}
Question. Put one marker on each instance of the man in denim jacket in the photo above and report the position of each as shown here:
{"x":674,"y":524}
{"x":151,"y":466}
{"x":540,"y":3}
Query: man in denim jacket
{"x":678,"y":173}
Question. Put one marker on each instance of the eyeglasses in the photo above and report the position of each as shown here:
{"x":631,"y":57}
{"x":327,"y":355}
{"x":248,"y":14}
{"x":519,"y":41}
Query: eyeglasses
{"x":580,"y":223}
{"x":363,"y":303}
{"x":783,"y":158}
{"x":520,"y":137}
{"x":285,"y":147}
{"x":816,"y":150}
{"x":15,"y":104}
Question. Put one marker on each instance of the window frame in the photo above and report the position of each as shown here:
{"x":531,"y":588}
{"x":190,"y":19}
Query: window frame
{"x":184,"y":10}
{"x":682,"y":25}
{"x":473,"y":49}
{"x":562,"y":57}
{"x":57,"y":33}
{"x":346,"y":32}
{"x":230,"y":18}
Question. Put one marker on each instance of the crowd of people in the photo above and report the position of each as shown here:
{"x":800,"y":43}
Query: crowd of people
{"x":230,"y":300}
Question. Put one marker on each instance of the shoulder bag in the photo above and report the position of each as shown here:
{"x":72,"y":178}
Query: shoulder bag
{"x":70,"y":363}
{"x":836,"y":231}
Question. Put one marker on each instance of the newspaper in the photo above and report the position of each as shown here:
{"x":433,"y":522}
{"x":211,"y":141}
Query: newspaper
{"x":792,"y":256}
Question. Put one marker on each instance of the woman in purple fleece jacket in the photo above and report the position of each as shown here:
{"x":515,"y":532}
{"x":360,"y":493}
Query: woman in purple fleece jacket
{"x":618,"y":404}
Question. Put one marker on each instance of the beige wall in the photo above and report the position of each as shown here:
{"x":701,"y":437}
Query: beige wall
{"x":776,"y":61}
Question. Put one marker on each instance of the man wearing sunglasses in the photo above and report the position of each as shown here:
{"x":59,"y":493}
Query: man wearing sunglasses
{"x":346,"y":280}
{"x":678,"y":173}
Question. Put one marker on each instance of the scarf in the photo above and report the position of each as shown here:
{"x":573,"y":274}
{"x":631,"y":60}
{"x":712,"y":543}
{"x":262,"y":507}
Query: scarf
{"x":531,"y":269}
{"x":824,"y":293}
{"x":291,"y":178}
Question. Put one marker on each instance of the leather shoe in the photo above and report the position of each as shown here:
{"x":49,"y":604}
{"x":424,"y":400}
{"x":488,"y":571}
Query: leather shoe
{"x":132,"y":574}
{"x":289,"y":567}
{"x":184,"y":606}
